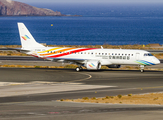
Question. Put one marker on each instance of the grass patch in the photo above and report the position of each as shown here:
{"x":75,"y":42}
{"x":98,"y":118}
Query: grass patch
{"x":85,"y":98}
{"x":70,"y":66}
{"x":129,"y":94}
{"x":119,"y":96}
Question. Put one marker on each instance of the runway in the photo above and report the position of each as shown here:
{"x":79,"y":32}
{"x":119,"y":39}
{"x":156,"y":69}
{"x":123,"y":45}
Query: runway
{"x":32,"y":93}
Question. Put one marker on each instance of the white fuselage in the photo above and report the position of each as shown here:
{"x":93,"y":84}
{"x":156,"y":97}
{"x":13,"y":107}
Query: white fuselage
{"x":104,"y":56}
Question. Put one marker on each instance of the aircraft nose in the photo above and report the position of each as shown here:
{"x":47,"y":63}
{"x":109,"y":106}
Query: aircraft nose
{"x":157,"y":61}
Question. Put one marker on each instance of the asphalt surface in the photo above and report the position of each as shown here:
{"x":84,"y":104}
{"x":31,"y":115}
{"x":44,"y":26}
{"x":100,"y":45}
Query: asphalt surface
{"x":30,"y":99}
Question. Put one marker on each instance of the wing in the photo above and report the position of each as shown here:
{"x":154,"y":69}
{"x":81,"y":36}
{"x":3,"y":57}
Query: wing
{"x":74,"y":60}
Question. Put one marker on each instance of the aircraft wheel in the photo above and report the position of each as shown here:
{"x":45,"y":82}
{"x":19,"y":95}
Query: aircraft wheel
{"x":142,"y":70}
{"x":77,"y":69}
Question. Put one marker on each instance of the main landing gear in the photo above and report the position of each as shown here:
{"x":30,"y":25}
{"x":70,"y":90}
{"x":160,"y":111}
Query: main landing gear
{"x":142,"y":68}
{"x":79,"y":69}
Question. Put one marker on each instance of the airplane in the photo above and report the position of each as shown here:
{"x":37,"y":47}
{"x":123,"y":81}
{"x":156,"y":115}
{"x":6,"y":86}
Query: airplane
{"x":90,"y":58}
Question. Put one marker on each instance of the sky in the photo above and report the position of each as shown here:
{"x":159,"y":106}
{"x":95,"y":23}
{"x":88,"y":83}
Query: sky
{"x":90,"y":1}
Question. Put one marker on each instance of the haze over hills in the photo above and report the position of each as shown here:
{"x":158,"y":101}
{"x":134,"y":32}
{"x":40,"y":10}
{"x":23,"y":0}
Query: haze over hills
{"x":14,"y":8}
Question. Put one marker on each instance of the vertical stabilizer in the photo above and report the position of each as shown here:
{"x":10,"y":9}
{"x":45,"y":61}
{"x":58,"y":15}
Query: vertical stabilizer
{"x":27,"y":40}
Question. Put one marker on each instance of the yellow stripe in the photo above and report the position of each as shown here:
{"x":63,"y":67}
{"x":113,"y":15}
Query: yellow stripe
{"x":50,"y":50}
{"x":63,"y":50}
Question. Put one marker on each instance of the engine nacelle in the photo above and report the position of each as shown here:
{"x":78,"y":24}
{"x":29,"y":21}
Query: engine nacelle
{"x":94,"y":65}
{"x":113,"y":66}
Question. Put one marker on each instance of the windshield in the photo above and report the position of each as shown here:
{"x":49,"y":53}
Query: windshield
{"x":148,"y":54}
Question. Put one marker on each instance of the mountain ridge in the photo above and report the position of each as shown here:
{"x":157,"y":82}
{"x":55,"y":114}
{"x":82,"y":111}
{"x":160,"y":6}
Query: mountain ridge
{"x":14,"y":8}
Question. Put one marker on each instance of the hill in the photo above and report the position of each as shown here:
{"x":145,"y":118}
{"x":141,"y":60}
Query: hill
{"x":14,"y":8}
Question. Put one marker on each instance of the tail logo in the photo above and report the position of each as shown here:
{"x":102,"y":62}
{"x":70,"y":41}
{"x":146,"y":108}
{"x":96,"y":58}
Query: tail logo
{"x":25,"y":37}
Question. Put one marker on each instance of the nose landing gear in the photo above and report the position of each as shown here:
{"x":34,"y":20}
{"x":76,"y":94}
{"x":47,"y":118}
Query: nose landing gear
{"x":142,"y":68}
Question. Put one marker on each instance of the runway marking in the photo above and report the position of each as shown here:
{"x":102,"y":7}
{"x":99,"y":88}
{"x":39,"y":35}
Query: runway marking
{"x":37,"y":89}
{"x":150,"y":87}
{"x":90,"y":76}
{"x":69,"y":82}
{"x":10,"y":83}
{"x":45,"y":82}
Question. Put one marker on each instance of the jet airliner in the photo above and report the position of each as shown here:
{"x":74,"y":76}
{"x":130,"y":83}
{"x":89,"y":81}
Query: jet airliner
{"x":90,"y":58}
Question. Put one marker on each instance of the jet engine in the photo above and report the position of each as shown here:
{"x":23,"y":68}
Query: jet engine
{"x":94,"y":65}
{"x":113,"y":66}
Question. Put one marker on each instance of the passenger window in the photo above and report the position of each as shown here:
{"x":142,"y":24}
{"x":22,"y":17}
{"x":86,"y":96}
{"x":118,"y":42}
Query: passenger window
{"x":105,"y":53}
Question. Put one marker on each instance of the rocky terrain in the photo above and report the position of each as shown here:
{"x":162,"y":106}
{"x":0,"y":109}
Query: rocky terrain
{"x":14,"y":8}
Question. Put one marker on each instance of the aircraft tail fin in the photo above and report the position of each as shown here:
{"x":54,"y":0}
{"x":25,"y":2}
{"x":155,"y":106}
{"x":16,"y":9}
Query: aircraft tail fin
{"x":27,"y":40}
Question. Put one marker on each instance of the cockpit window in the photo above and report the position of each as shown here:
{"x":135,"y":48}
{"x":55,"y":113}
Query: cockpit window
{"x":145,"y":54}
{"x":148,"y":54}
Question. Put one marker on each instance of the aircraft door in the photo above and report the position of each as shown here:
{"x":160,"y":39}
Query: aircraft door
{"x":137,"y":56}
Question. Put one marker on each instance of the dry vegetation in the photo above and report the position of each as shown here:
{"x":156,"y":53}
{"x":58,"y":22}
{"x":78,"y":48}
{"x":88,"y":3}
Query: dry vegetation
{"x":152,"y":98}
{"x":159,"y":56}
{"x":142,"y":47}
{"x":30,"y":66}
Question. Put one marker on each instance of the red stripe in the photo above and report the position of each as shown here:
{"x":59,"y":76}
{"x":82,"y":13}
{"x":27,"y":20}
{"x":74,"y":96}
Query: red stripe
{"x":68,"y":53}
{"x":35,"y":56}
